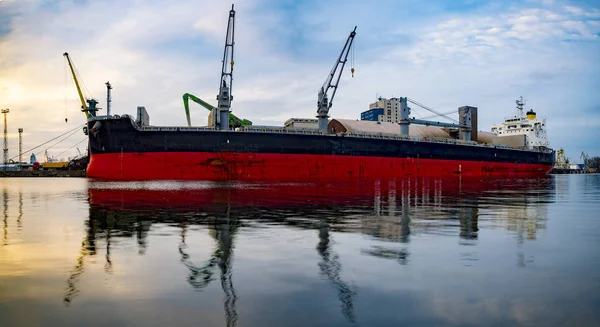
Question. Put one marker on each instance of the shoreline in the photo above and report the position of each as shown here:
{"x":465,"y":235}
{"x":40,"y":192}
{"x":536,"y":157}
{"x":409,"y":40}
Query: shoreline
{"x":43,"y":173}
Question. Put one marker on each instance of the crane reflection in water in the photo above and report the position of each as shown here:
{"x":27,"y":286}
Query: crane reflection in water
{"x":107,"y":221}
{"x":5,"y":214}
{"x":330,"y":267}
{"x":388,"y":210}
{"x":223,"y":232}
{"x":105,"y":224}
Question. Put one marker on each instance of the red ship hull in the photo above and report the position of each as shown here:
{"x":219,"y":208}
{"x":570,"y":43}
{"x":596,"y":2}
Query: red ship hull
{"x":269,"y":166}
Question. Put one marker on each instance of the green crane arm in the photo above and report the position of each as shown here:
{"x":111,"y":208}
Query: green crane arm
{"x":199,"y":101}
{"x":233,"y":120}
{"x":237,"y":122}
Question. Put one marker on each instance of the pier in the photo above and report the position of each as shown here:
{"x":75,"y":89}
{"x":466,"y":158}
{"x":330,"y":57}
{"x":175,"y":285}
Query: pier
{"x":43,"y":173}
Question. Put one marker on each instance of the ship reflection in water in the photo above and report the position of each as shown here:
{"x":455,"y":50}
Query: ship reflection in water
{"x":418,"y":251}
{"x":381,"y":209}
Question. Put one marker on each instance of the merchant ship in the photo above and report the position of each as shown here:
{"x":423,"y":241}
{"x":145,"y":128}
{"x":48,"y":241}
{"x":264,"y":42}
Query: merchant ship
{"x":128,"y":148}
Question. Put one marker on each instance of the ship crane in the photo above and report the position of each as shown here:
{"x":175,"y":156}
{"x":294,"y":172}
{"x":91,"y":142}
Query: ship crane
{"x":88,"y":106}
{"x":234,"y":121}
{"x":324,"y":103}
{"x":224,"y":97}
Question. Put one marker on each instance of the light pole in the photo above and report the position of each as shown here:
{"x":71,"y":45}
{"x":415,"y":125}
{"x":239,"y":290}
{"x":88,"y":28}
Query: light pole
{"x":20,"y":147}
{"x":5,"y":111}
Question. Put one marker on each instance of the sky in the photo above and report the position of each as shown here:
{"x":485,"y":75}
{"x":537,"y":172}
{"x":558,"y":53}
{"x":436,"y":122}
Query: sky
{"x":444,"y":54}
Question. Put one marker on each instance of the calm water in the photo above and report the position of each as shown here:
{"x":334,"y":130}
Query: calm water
{"x":410,"y":252}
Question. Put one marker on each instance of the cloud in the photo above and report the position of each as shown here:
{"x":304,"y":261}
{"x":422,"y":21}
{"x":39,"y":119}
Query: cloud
{"x":477,"y":53}
{"x":501,"y":35}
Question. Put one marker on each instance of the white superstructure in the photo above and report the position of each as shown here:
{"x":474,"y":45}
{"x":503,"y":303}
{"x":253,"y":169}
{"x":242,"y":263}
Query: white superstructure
{"x":530,"y":126}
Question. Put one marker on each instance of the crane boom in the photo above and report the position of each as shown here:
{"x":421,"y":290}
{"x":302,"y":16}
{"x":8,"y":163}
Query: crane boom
{"x":81,"y":98}
{"x":332,"y":82}
{"x":233,"y":120}
{"x":90,"y":108}
{"x":199,"y":101}
{"x":224,"y":97}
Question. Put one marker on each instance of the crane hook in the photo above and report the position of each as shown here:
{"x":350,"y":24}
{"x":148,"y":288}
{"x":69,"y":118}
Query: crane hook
{"x":66,"y":119}
{"x":352,"y":70}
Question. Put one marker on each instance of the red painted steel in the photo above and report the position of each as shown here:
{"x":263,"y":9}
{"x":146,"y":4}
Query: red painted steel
{"x":263,"y":166}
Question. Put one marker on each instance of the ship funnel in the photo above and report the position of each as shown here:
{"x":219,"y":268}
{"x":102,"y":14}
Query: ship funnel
{"x":531,"y":115}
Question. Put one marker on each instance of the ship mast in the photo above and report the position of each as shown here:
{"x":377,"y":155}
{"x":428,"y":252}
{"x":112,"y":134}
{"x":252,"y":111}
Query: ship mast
{"x":520,"y":104}
{"x":108,"y":98}
{"x":224,"y":97}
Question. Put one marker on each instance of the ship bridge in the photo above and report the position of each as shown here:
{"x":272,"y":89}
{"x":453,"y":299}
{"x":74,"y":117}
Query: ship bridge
{"x":527,"y":131}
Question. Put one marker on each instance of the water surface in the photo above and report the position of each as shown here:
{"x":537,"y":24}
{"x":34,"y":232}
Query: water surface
{"x":414,"y":252}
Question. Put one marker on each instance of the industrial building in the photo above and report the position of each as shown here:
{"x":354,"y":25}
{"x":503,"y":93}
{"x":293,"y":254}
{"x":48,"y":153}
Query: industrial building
{"x":375,"y":114}
{"x":384,"y":110}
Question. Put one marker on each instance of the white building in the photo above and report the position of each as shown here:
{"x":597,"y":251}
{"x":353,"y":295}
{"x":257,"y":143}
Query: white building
{"x":384,"y":110}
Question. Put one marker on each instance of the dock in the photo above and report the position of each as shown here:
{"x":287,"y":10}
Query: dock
{"x":43,"y":173}
{"x":556,"y":171}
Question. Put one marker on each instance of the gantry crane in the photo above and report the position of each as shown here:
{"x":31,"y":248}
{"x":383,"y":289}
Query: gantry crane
{"x":333,"y":80}
{"x":88,"y":106}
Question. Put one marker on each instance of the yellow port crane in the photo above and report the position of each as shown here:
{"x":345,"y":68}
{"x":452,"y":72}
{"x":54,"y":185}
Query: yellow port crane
{"x":561,"y":160}
{"x":88,"y":106}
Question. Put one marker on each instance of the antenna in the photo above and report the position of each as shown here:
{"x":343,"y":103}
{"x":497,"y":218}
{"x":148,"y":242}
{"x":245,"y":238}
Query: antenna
{"x":520,"y":104}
